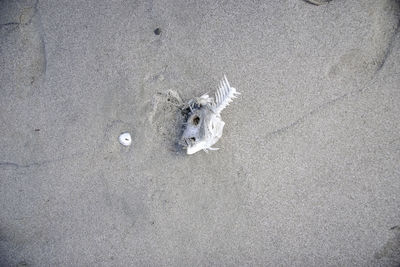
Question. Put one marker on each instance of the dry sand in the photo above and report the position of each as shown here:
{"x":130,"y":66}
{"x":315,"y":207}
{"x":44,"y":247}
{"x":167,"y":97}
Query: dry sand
{"x":309,"y":168}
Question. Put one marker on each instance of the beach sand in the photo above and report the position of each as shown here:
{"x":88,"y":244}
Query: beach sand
{"x":308,"y":173}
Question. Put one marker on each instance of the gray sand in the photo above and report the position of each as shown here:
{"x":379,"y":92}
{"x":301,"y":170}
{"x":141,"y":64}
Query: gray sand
{"x":308,"y":172}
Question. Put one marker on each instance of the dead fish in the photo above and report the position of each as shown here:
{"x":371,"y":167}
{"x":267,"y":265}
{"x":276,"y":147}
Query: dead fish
{"x":204,"y":125}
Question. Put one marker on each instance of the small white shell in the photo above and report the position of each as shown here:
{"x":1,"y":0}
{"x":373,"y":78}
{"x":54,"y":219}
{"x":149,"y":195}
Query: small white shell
{"x":125,"y":139}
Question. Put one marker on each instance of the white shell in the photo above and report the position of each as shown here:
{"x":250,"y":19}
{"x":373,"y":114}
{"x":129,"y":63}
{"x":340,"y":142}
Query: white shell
{"x":125,"y":139}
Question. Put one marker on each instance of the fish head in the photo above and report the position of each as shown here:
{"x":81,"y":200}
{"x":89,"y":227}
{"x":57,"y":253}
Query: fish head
{"x":203,"y":128}
{"x":194,"y":134}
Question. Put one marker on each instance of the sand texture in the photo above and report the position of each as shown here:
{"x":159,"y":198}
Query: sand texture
{"x":308,"y":173}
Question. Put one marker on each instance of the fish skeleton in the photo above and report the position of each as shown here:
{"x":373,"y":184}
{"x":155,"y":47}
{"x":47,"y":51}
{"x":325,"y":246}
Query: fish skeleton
{"x":204,"y":125}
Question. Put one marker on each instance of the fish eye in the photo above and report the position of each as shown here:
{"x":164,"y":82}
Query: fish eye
{"x":196,"y":120}
{"x":192,"y":139}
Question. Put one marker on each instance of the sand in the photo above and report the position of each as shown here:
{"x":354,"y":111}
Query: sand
{"x":308,"y":173}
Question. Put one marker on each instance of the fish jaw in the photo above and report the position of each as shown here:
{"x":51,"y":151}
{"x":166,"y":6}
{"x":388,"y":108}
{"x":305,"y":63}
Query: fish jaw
{"x":196,"y":147}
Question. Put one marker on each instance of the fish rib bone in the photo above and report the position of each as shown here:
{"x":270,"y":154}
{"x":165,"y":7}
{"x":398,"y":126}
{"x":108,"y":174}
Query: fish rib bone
{"x":224,"y":95}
